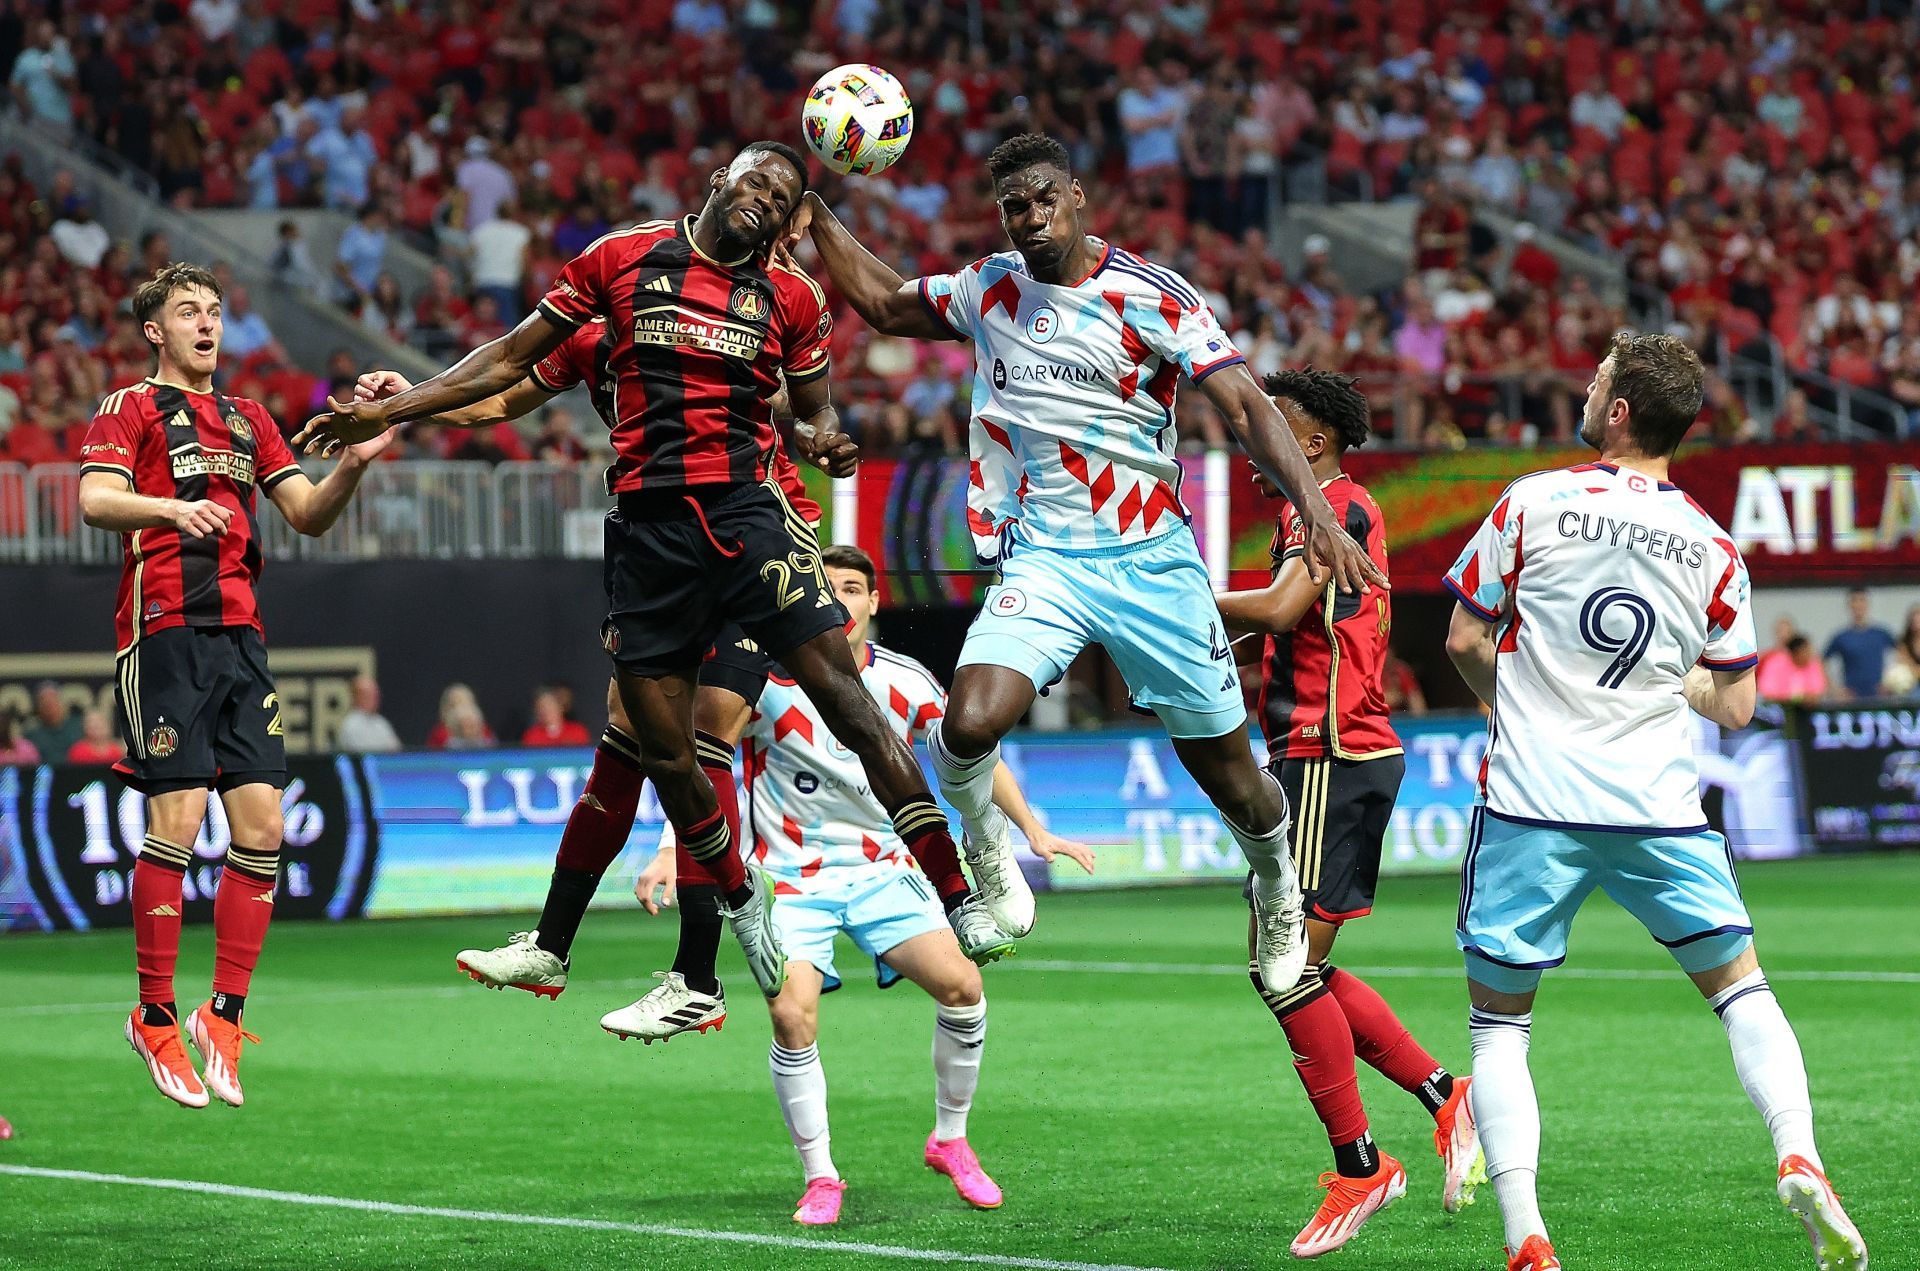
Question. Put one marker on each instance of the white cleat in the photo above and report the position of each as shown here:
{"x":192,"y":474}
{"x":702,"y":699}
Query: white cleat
{"x":980,"y":937}
{"x":668,"y":1011}
{"x":996,"y":873}
{"x":1837,"y":1245}
{"x":1280,"y":930}
{"x":517,"y":964}
{"x":752,"y":925}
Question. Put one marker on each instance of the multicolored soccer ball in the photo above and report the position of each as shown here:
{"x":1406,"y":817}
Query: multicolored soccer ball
{"x":857,"y":119}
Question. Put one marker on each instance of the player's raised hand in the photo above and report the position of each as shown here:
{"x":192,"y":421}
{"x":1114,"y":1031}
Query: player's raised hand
{"x":378,"y":385}
{"x":657,"y":876}
{"x":367,"y":451}
{"x":1331,"y":551}
{"x":789,"y":238}
{"x":1047,"y":845}
{"x":342,"y":424}
{"x":201,"y":517}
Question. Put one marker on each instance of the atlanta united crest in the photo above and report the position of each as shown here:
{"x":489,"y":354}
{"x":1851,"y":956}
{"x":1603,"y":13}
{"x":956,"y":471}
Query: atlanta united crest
{"x":237,"y":425}
{"x":748,"y":303}
{"x":162,"y":741}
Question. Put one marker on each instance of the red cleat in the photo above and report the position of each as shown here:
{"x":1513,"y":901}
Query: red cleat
{"x":1349,"y":1203}
{"x":1536,"y":1254}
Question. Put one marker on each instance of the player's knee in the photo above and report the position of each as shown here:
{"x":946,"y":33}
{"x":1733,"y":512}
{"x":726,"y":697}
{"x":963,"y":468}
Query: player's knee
{"x":961,"y":987}
{"x":794,"y":1025}
{"x":967,"y":731}
{"x":263,"y":827}
{"x":668,"y":771}
{"x":617,"y":709}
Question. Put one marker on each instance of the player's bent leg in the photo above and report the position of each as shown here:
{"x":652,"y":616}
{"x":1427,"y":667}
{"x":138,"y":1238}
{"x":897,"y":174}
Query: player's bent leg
{"x":986,"y":701}
{"x":672,"y":1008}
{"x":1255,"y":810}
{"x":152,"y":1030}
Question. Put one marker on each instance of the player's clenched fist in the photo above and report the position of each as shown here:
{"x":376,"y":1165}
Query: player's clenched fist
{"x":377,"y":386}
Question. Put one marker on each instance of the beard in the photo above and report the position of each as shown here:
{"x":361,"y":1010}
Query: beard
{"x":1593,"y":426}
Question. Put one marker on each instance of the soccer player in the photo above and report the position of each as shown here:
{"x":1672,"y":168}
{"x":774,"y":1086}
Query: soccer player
{"x":1596,"y":604}
{"x":1078,"y":347}
{"x":173,"y":466}
{"x":731,"y":679}
{"x":704,"y":327}
{"x":841,"y":868}
{"x":1331,"y":745}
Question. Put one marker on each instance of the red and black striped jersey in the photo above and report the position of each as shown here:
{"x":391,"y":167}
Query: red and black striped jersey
{"x":582,"y":359}
{"x":172,"y":442}
{"x":698,"y":349}
{"x":1323,"y":687}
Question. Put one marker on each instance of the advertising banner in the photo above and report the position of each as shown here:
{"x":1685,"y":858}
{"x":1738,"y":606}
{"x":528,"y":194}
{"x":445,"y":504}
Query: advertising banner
{"x":69,"y":837}
{"x":1862,"y":767}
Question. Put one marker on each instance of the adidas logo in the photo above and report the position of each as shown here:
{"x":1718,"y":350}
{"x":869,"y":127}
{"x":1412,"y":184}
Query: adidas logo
{"x":163,"y":911}
{"x":265,"y":897}
{"x":659,"y":284}
{"x":824,"y":600}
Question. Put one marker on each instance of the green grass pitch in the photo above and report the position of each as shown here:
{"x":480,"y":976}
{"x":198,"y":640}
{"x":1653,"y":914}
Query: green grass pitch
{"x":1141,"y":1115}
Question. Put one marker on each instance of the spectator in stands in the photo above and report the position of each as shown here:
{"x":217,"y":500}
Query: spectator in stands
{"x":1597,"y":108}
{"x":362,"y":255}
{"x":498,"y":252}
{"x":1421,"y":341}
{"x":14,"y":746}
{"x":364,"y":730}
{"x":1795,"y":421}
{"x":247,"y":332}
{"x":80,"y":238}
{"x":13,"y":358}
{"x":43,"y":77}
{"x":344,"y":153}
{"x":1440,"y":234}
{"x":1151,"y":113}
{"x":1792,"y":675}
{"x":97,"y":744}
{"x":54,"y":727}
{"x":1404,"y":695}
{"x":487,"y":185}
{"x":1861,"y":648}
{"x":557,"y":440}
{"x":386,"y":311}
{"x":550,"y":726}
{"x":461,"y":726}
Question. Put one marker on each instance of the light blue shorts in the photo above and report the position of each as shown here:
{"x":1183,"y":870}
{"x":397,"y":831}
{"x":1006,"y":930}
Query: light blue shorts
{"x":1521,"y":884}
{"x":878,"y":906}
{"x":1151,"y":607}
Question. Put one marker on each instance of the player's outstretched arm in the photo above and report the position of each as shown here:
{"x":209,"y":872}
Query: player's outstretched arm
{"x":1276,"y":608}
{"x":1009,"y":798}
{"x":816,"y":429}
{"x":1725,"y":697}
{"x":878,"y":294}
{"x":109,"y":502}
{"x":522,"y":399}
{"x":313,"y":508}
{"x":493,"y":368}
{"x":1257,"y":422}
{"x":1470,"y":645}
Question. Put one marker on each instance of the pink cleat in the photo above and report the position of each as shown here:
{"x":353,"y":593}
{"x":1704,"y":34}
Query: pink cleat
{"x":820,"y":1207}
{"x":957,"y":1161}
{"x":6,"y":1129}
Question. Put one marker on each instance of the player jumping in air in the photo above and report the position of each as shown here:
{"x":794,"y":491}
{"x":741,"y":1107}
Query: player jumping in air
{"x":731,"y":679}
{"x":702,"y":332}
{"x":840,"y":868}
{"x":1596,"y":604}
{"x":1324,"y":711}
{"x":1074,"y":496}
{"x":173,"y":466}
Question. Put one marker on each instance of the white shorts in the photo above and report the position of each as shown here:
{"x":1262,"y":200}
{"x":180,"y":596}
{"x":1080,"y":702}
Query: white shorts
{"x":1150,"y":606}
{"x":880,"y":906}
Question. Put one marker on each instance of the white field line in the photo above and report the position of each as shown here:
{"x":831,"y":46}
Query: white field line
{"x":659,"y":1230}
{"x":1038,"y":964}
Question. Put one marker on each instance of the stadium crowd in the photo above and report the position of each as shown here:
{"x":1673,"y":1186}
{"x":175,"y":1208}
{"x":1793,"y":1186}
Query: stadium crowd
{"x":1757,"y":166}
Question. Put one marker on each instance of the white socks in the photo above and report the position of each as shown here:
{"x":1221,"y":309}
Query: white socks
{"x":1268,"y":852}
{"x":1766,"y":1054}
{"x":1508,"y":1115}
{"x":966,"y":783}
{"x":959,"y":1034}
{"x":801,"y":1085}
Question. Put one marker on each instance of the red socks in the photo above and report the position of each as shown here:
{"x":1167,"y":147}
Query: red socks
{"x":242,"y":910}
{"x":157,"y":901}
{"x":603,"y":816}
{"x":1378,"y":1035}
{"x":1323,"y":1052}
{"x":923,"y":827}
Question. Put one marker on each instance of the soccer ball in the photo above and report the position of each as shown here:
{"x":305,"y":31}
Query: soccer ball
{"x":857,"y":119}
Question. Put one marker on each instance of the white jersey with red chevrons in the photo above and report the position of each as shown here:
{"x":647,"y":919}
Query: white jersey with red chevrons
{"x":1072,"y":437}
{"x":810,"y":807}
{"x":1606,"y":588}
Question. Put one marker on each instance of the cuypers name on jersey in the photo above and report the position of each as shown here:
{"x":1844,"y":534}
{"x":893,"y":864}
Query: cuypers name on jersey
{"x":1659,"y":544}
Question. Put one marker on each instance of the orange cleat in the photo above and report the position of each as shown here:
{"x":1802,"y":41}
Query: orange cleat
{"x":1536,"y":1254}
{"x":1349,"y":1203}
{"x":1458,"y":1142}
{"x":166,"y":1061}
{"x":1837,"y":1245}
{"x":219,"y":1045}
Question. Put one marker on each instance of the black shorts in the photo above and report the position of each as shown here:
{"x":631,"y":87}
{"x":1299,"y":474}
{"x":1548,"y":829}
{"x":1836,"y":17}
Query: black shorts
{"x":738,"y":664}
{"x":679,"y":568}
{"x":1341,"y":808}
{"x":199,"y":711}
